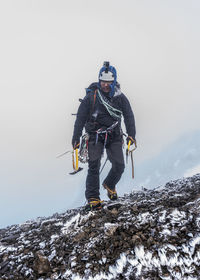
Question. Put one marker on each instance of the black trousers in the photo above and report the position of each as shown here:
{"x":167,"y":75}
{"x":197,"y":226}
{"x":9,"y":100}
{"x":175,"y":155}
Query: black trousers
{"x":115,"y":156}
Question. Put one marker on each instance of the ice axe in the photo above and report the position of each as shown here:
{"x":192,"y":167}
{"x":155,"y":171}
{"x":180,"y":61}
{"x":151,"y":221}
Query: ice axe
{"x":128,"y":151}
{"x":63,"y":154}
{"x":75,"y":161}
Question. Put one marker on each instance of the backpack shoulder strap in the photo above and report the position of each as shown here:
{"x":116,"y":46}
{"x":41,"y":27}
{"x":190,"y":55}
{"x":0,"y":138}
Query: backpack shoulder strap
{"x":91,"y":91}
{"x":93,"y":96}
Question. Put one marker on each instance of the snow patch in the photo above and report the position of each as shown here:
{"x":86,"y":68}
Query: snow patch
{"x":74,"y":220}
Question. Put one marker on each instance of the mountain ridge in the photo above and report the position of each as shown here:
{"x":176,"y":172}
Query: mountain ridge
{"x":148,"y":234}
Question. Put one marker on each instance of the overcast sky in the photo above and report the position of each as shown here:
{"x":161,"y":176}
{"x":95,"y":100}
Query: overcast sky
{"x":51,"y":50}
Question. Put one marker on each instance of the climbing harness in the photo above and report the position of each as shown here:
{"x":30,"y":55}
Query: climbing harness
{"x":106,"y":131}
{"x":130,"y":152}
{"x":83,"y":152}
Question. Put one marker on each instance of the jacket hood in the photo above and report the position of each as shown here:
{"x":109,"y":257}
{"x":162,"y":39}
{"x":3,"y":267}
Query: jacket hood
{"x":117,"y":90}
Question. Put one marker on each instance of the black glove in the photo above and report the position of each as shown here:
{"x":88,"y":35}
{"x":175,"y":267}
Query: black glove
{"x":75,"y":142}
{"x":129,"y":138}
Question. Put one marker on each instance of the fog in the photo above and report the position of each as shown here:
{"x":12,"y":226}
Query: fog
{"x":50,"y":51}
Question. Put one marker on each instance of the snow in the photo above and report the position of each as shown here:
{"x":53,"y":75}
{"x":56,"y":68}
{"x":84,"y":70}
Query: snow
{"x":195,"y":241}
{"x":2,"y":248}
{"x":110,"y":228}
{"x":109,"y":225}
{"x":28,"y":272}
{"x":53,"y":255}
{"x":53,"y":238}
{"x":48,"y":221}
{"x":162,"y":216}
{"x":73,"y":264}
{"x":42,"y":245}
{"x":76,"y":277}
{"x":198,"y":222}
{"x":8,"y":249}
{"x":165,"y":232}
{"x":177,"y":217}
{"x":121,"y":263}
{"x":67,"y":225}
{"x":144,"y":218}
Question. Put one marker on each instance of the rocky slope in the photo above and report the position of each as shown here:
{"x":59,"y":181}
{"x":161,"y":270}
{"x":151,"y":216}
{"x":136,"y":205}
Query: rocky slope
{"x":150,"y":234}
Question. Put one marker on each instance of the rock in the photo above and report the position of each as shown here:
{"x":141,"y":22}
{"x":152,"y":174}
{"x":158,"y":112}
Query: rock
{"x":110,"y":229}
{"x":79,"y":236}
{"x":114,"y":211}
{"x":136,"y":239}
{"x":41,"y":265}
{"x":9,"y":239}
{"x":4,"y":267}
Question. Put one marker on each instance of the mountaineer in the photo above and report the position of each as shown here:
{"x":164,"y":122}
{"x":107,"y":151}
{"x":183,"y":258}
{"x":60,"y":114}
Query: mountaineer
{"x":100,"y":113}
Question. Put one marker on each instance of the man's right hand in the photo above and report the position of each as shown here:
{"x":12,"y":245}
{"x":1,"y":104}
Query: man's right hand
{"x":75,"y":143}
{"x":129,"y":138}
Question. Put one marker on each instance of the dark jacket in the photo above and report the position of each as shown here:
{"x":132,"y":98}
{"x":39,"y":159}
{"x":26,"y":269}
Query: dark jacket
{"x":101,"y":116}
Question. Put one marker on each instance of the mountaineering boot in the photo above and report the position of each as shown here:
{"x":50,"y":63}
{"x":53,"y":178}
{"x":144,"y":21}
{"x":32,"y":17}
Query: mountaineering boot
{"x":112,"y":194}
{"x":93,"y":204}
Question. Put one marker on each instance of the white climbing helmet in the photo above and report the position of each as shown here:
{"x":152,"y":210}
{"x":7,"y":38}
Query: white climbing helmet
{"x":107,"y":72}
{"x":108,"y":77}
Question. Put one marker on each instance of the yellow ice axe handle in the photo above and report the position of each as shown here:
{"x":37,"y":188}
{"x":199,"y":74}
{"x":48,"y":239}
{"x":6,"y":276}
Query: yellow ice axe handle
{"x":76,"y":153}
{"x":129,"y":144}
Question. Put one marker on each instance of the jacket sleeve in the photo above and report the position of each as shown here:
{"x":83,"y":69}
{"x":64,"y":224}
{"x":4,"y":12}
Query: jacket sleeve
{"x":128,"y":115}
{"x":81,"y":118}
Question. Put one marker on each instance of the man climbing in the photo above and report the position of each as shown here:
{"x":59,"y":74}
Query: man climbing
{"x":100,"y":112}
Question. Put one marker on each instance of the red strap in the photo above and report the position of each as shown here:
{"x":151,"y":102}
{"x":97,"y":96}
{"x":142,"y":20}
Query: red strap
{"x":95,"y":94}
